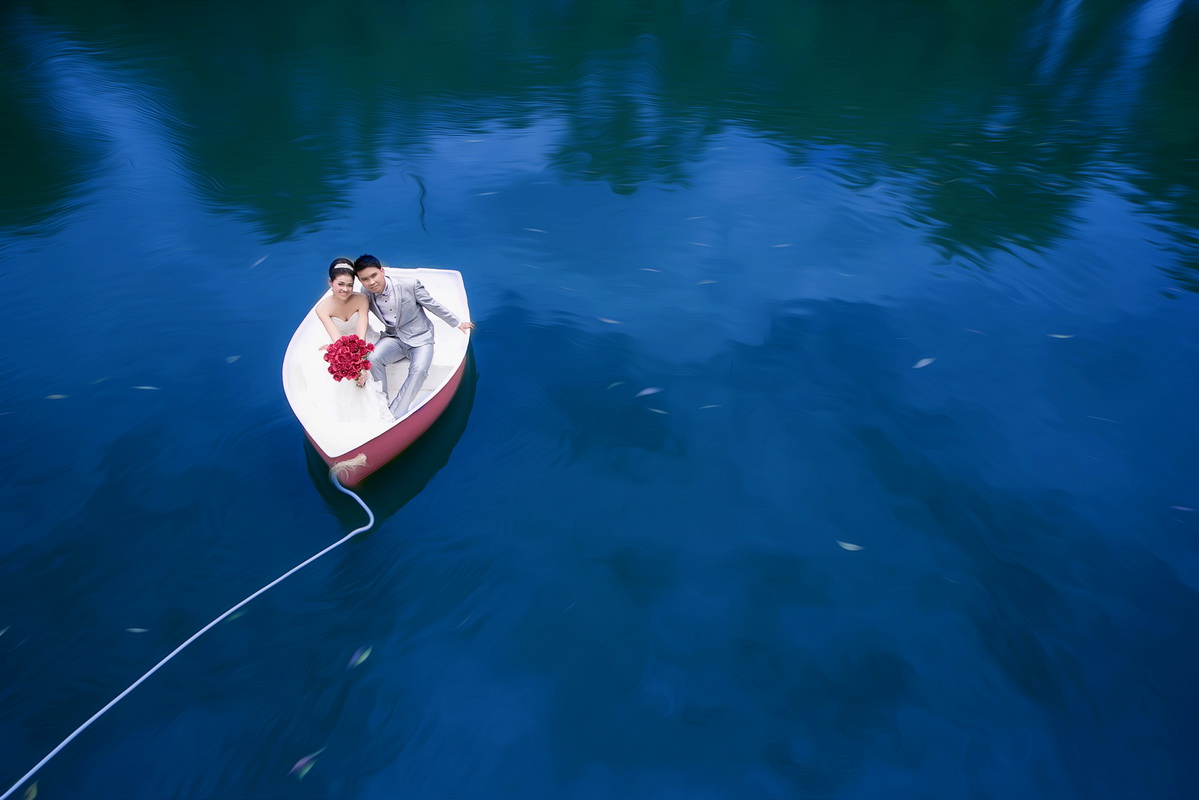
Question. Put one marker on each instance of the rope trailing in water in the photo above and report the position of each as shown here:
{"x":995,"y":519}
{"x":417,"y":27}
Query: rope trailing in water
{"x":337,"y":469}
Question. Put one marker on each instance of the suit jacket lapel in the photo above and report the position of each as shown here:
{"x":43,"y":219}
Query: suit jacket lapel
{"x":402,"y":304}
{"x":374,"y":301}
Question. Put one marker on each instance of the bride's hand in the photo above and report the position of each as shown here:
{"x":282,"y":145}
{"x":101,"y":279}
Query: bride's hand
{"x":361,"y":379}
{"x":323,"y":347}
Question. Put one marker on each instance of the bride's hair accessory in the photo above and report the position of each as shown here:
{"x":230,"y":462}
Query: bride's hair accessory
{"x":341,"y":266}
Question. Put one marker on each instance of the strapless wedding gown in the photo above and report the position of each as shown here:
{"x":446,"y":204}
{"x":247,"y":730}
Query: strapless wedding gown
{"x":345,"y":400}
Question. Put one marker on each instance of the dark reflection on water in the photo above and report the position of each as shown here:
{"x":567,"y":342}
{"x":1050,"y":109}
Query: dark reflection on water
{"x":832,"y":433}
{"x":995,"y":125}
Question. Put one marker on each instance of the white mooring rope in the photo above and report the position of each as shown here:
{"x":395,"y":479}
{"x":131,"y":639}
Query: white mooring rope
{"x":333,"y":473}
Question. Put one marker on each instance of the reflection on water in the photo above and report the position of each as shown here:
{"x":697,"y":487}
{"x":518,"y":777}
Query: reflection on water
{"x":832,"y":430}
{"x":635,"y":100}
{"x":1058,"y":32}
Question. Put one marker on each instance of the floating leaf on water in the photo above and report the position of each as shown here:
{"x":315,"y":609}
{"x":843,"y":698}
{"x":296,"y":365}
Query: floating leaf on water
{"x":137,"y":630}
{"x":304,"y":764}
{"x":1061,"y":336}
{"x":701,"y":283}
{"x":691,"y":218}
{"x":614,"y":384}
{"x":849,"y":545}
{"x":231,"y":359}
{"x":535,"y":230}
{"x":57,"y":396}
{"x":788,"y":244}
{"x":650,"y":269}
{"x":610,"y":321}
{"x":485,"y":194}
{"x":650,"y":390}
{"x":659,"y":411}
{"x":239,"y":613}
{"x":713,"y":405}
{"x":360,"y":655}
{"x":147,"y":388}
{"x":31,"y":792}
{"x":259,"y":261}
{"x":922,"y":363}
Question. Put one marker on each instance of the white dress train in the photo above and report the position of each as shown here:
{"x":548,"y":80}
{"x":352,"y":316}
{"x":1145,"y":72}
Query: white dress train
{"x":345,"y":400}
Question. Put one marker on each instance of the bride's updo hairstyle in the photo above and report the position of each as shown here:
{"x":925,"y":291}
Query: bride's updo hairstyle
{"x":341,"y":266}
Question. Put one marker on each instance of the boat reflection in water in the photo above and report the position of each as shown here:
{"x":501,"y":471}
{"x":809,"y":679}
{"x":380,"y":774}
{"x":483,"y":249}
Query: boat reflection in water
{"x":390,"y":487}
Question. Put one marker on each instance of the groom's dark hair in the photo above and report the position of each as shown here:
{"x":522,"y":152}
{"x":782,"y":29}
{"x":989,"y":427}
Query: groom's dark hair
{"x":365,"y":262}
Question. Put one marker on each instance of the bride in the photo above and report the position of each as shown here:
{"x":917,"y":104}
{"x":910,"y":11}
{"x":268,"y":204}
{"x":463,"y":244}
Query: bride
{"x":344,"y":313}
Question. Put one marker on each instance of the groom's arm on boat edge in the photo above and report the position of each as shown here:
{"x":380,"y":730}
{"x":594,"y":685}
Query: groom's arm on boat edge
{"x":426,"y":301}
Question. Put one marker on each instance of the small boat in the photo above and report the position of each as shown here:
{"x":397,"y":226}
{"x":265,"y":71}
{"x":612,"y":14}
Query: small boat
{"x":369,"y":445}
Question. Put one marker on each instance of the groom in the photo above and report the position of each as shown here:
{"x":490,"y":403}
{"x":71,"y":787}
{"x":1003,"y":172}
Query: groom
{"x":400,"y":302}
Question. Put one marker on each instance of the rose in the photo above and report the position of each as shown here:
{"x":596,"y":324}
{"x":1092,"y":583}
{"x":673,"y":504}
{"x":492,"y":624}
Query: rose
{"x":347,"y":357}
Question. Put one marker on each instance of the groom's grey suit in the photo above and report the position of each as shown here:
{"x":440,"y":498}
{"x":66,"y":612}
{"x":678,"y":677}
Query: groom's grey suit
{"x":407,"y":333}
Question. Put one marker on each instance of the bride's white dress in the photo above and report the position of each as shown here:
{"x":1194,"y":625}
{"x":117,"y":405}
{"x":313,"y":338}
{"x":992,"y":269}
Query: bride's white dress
{"x":344,"y":400}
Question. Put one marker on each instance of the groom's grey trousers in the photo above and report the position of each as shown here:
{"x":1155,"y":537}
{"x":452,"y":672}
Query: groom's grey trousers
{"x":389,"y":350}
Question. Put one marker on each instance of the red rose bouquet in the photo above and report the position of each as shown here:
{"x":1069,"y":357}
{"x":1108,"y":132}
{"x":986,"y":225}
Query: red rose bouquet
{"x":347,"y":358}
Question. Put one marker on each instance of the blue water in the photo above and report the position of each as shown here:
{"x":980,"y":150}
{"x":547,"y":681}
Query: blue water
{"x":830,"y":428}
